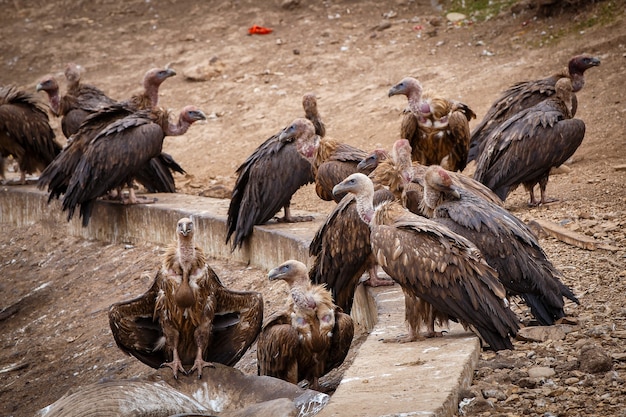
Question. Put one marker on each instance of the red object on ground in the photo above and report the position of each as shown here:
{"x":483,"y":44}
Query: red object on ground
{"x":259,"y":30}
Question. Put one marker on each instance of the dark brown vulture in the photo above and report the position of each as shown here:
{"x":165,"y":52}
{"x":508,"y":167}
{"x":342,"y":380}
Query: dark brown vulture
{"x":526,"y":94}
{"x":57,"y":175}
{"x":342,"y":252}
{"x":436,"y":265}
{"x":310,"y":338}
{"x":523,"y":149}
{"x":187,"y":317}
{"x":268,"y":179}
{"x":332,"y":161}
{"x":118,"y":152}
{"x":507,"y":244}
{"x":80,"y":99}
{"x":25,"y":132}
{"x":436,"y":127}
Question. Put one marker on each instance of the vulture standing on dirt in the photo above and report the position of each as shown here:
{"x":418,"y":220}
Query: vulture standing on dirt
{"x":118,"y":152}
{"x":25,"y":132}
{"x":332,"y":161}
{"x":507,"y":244}
{"x":58,"y":174}
{"x":436,"y":127}
{"x":80,"y":99}
{"x":523,"y":149}
{"x":268,"y":179}
{"x":436,"y":265}
{"x":187,"y":317}
{"x":526,"y":94}
{"x":310,"y":338}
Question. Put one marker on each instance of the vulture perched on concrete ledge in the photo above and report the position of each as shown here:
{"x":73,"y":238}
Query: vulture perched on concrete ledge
{"x":332,"y":161}
{"x":342,"y":252}
{"x":268,"y":179}
{"x":25,"y":132}
{"x":523,"y":149}
{"x":507,"y":244}
{"x":57,"y":175}
{"x":437,"y":128}
{"x":527,"y":94}
{"x":187,"y":317}
{"x":436,"y":265}
{"x":118,"y":152}
{"x":310,"y":338}
{"x":80,"y":99}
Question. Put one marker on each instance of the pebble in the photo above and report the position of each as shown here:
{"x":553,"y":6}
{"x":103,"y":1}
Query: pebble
{"x":594,"y":359}
{"x":540,"y":372}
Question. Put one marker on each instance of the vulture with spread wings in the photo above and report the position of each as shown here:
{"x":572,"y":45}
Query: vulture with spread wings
{"x":187,"y":317}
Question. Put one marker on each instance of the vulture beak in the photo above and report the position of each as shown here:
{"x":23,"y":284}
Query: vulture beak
{"x":454,"y":192}
{"x":287,"y":134}
{"x":338,"y":189}
{"x":39,"y":87}
{"x":170,"y":72}
{"x":395,"y":90}
{"x":367,"y":163}
{"x":197,"y":115}
{"x":278,"y":272}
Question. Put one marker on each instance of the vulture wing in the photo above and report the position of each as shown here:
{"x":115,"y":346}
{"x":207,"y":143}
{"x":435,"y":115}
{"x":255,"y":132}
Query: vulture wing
{"x":510,"y":247}
{"x":335,"y":162}
{"x":341,"y":250}
{"x":237,"y":323}
{"x":278,"y":349}
{"x":157,"y":174}
{"x":343,"y":333}
{"x":525,"y":147}
{"x":111,"y":158}
{"x":25,"y":131}
{"x":266,"y":181}
{"x":444,"y":269}
{"x":135,"y":329}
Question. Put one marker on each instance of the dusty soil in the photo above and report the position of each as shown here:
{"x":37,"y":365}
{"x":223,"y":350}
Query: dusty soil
{"x":349,"y":53}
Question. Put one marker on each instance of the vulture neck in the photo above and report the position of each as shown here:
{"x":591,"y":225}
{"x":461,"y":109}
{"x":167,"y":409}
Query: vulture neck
{"x":177,"y":129}
{"x":55,"y":101}
{"x":184,"y":295}
{"x":151,"y":92}
{"x":365,"y":205}
{"x":301,"y":298}
{"x":430,"y":200}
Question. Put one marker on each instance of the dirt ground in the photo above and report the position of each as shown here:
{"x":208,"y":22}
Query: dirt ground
{"x":349,"y":53}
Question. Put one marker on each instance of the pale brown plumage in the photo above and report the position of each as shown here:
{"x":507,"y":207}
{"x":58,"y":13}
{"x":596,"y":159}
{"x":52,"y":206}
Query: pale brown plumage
{"x":432,"y":263}
{"x":310,"y":338}
{"x":187,"y":317}
{"x":269,"y":177}
{"x":507,"y":244}
{"x":115,"y":155}
{"x":56,"y":177}
{"x":437,"y":128}
{"x":25,"y":133}
{"x":523,"y":149}
{"x":332,"y":161}
{"x":526,"y":94}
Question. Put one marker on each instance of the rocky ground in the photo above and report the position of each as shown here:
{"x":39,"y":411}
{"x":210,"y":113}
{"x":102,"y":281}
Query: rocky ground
{"x":349,"y":53}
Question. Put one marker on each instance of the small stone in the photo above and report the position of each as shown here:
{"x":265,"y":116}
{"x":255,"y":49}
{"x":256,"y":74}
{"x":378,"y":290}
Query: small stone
{"x":455,"y":17}
{"x":540,"y":333}
{"x":571,"y":381}
{"x":593,"y":359}
{"x":494,"y":393}
{"x":541,"y":372}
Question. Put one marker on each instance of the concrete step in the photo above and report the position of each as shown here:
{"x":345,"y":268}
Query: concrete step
{"x":386,"y":379}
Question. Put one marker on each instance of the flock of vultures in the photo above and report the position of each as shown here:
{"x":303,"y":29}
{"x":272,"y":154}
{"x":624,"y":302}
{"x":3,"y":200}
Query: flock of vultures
{"x":443,"y":236}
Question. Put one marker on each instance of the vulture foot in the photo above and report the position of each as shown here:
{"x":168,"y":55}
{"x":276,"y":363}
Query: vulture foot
{"x":294,"y":219}
{"x":198,"y":365}
{"x":404,"y":338}
{"x":176,"y":366}
{"x":139,"y":200}
{"x":430,"y":335}
{"x":376,"y":281}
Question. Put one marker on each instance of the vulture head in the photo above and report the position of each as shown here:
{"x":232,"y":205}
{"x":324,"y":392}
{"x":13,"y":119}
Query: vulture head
{"x":50,"y":86}
{"x":184,"y":228}
{"x":580,"y":63}
{"x":156,"y":76}
{"x":302,"y":132}
{"x":363,"y":189}
{"x":292,"y":272}
{"x":73,"y":73}
{"x":309,"y":103}
{"x":188,"y":115}
{"x":438,"y":179}
{"x":371,"y":161}
{"x":408,"y":86}
{"x":191,"y":114}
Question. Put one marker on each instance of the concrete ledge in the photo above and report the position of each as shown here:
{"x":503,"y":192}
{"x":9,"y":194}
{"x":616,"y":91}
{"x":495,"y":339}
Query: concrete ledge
{"x":419,"y":378}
